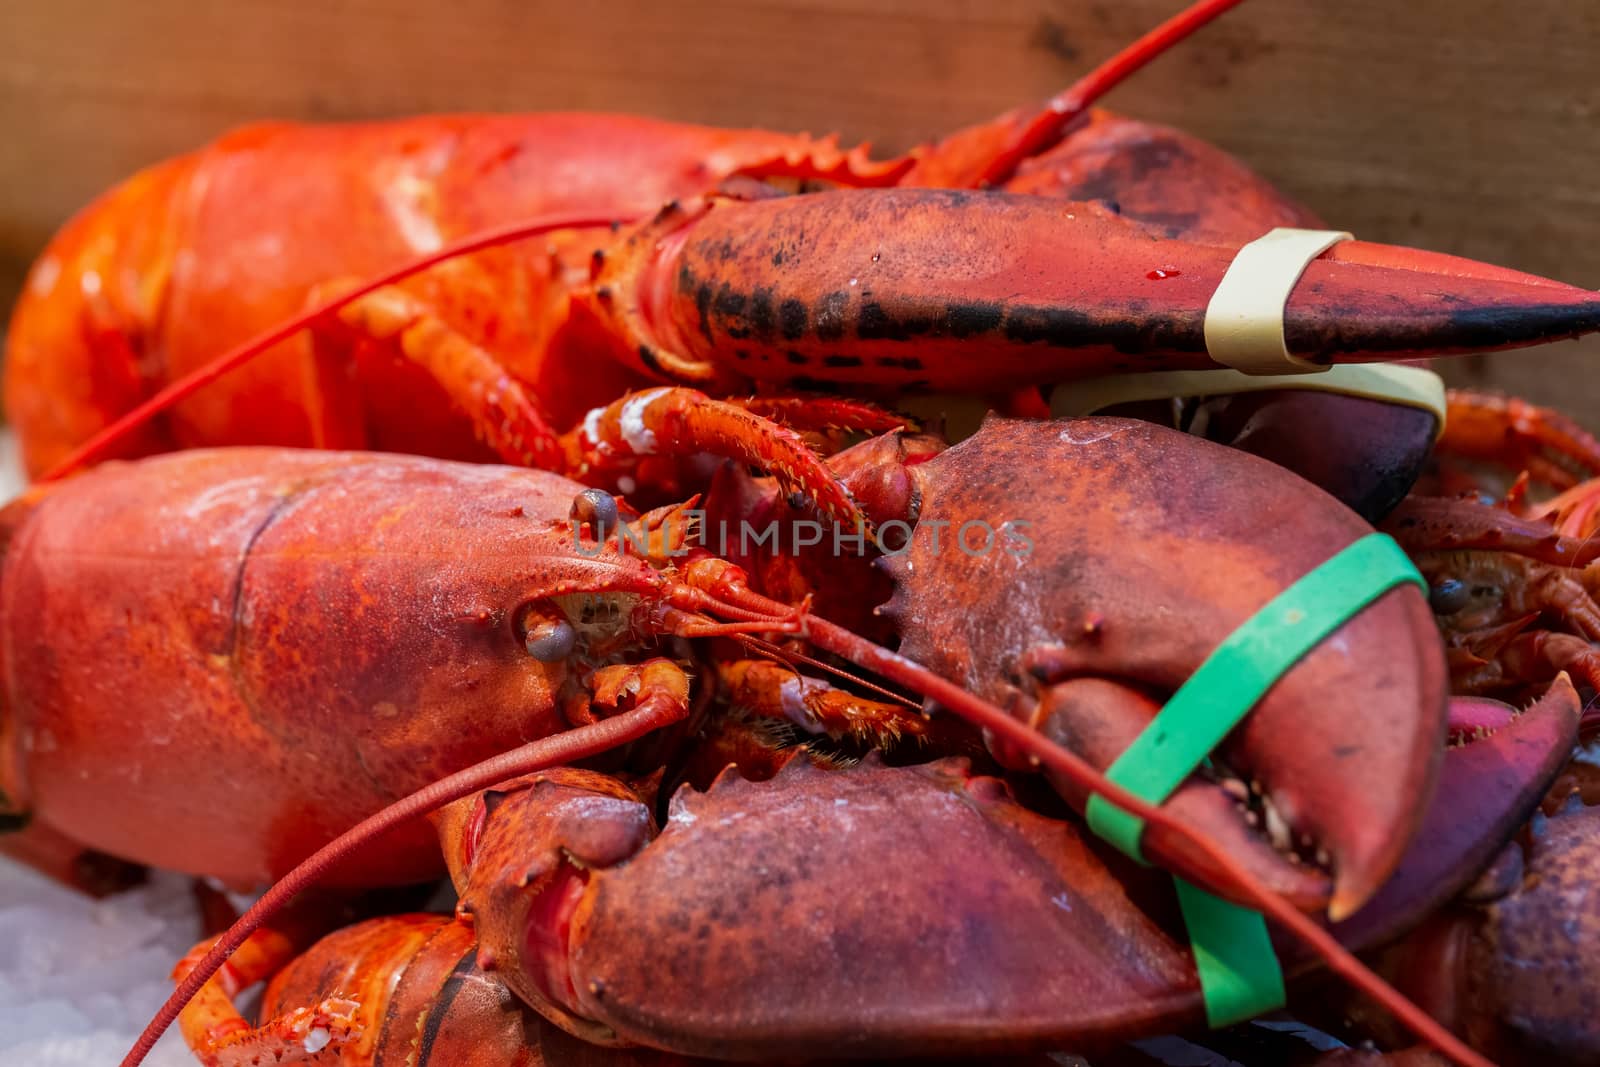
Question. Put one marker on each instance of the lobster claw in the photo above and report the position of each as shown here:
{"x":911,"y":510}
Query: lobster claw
{"x":823,"y":909}
{"x":1488,"y":787}
{"x":978,"y":292}
{"x":520,"y":857}
{"x":724,"y":936}
{"x":1145,"y":548}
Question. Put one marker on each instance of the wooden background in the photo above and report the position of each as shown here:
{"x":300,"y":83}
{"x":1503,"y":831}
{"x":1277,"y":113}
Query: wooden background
{"x":1469,"y":126}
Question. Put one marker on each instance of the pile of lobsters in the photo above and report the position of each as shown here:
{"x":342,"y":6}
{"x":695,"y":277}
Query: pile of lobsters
{"x":531,"y":498}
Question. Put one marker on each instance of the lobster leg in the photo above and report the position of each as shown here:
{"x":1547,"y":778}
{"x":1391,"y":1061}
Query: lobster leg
{"x":1535,"y":656}
{"x":612,"y":440}
{"x":1573,"y":512}
{"x":57,"y":856}
{"x":502,"y":412}
{"x":220,"y":1036}
{"x":608,"y":446}
{"x":775,"y":690}
{"x":824,"y":413}
{"x":1509,"y":431}
{"x":1434,"y":524}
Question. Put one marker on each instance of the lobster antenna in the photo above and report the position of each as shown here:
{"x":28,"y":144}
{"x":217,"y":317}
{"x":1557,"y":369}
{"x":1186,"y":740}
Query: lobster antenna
{"x":95,"y":447}
{"x":1044,"y":751}
{"x":1049,"y":126}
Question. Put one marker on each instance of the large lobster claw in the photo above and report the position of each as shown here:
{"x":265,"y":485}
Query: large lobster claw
{"x":870,"y":911}
{"x":963,"y":291}
{"x":1088,"y":566}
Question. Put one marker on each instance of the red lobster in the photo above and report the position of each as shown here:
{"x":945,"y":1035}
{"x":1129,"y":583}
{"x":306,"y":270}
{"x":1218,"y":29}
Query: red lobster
{"x":348,"y":628}
{"x":878,"y":278}
{"x":429,"y":612}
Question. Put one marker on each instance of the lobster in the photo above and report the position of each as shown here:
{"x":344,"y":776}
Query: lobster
{"x":876,"y":279}
{"x":571,"y":899}
{"x":492,"y":627}
{"x":258,"y":554}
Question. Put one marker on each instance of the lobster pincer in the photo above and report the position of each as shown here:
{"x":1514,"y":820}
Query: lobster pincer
{"x":984,"y":291}
{"x":611,"y":928}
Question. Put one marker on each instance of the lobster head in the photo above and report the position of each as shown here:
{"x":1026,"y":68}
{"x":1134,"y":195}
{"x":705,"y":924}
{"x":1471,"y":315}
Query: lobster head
{"x":1078,"y":572}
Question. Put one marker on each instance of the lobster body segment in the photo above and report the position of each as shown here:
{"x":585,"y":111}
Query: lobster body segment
{"x":251,"y":649}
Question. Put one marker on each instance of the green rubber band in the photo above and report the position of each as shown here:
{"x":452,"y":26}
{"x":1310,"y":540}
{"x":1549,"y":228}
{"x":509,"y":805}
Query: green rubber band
{"x":1239,"y":974}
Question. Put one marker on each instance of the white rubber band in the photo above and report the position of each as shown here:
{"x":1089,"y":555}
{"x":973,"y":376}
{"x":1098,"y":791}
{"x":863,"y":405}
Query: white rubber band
{"x":1244,"y":321}
{"x":1394,"y":383}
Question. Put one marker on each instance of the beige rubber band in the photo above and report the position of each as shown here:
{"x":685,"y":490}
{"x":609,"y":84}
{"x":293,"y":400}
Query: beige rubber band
{"x":1394,"y":383}
{"x":1244,"y":321}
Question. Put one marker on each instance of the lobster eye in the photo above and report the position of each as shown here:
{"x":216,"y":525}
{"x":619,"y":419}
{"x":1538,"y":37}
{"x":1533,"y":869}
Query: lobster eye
{"x":598,"y":510}
{"x":546,"y":634}
{"x":1449,"y":596}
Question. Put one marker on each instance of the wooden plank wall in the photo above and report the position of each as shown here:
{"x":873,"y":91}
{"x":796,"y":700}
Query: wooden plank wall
{"x":1470,"y":126}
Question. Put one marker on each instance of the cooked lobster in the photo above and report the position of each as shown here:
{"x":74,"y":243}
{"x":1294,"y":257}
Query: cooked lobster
{"x":662,"y":253}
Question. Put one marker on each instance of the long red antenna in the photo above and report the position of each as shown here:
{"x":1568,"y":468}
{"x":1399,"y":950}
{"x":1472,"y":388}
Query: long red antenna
{"x":243,"y":353}
{"x":1050,"y":124}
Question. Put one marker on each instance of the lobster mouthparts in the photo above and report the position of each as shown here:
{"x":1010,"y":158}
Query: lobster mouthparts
{"x":1087,"y":567}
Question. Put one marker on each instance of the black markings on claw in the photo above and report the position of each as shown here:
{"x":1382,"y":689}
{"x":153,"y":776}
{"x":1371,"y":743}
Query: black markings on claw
{"x":702,"y":303}
{"x":763,"y":322}
{"x":792,"y":319}
{"x":830,"y":316}
{"x":972,"y":319}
